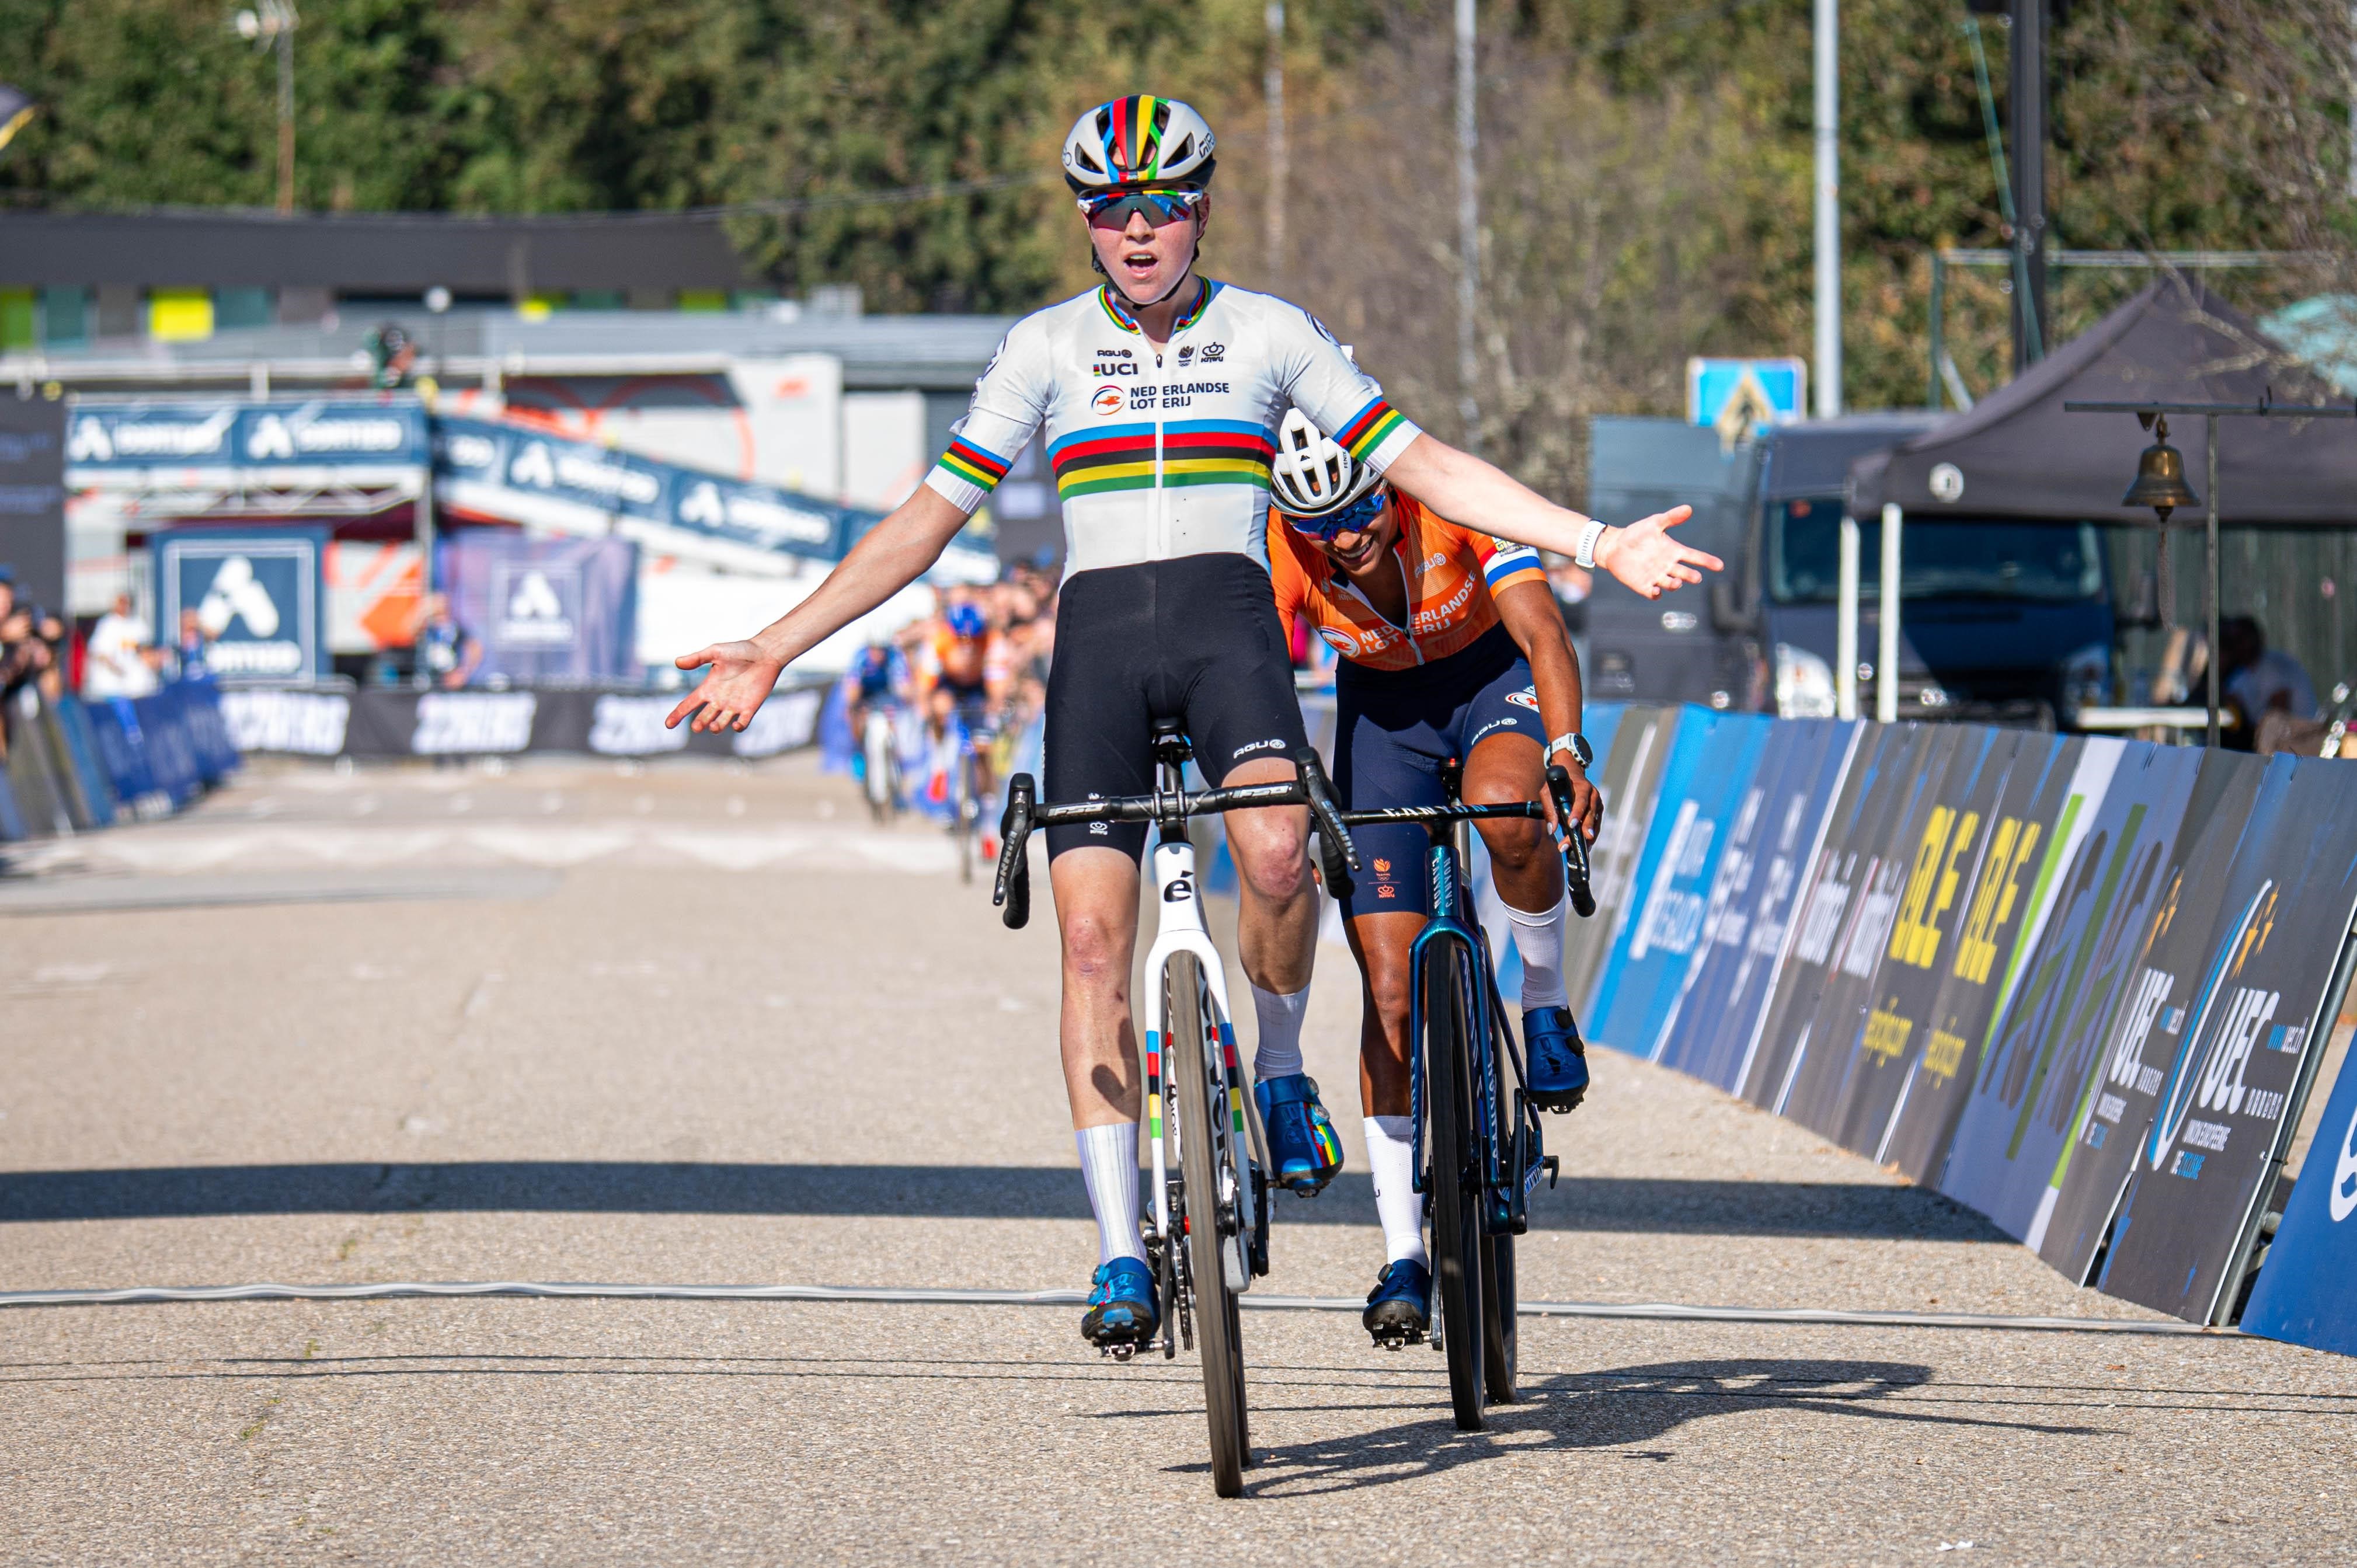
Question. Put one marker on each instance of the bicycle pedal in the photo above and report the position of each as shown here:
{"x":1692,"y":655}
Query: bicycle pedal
{"x":1397,"y":1339}
{"x":1553,"y":1168}
{"x":1121,"y":1352}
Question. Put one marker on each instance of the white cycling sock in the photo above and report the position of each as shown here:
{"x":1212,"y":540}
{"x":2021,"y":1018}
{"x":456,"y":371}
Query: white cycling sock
{"x":1280,"y":1033}
{"x":1538,"y":938}
{"x":1392,"y":1158}
{"x":1109,"y":1166}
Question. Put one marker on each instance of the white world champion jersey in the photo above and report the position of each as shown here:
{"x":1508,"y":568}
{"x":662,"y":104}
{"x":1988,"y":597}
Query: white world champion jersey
{"x":1159,"y":456}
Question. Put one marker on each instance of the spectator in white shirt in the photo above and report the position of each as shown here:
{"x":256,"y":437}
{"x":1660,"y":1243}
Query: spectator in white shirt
{"x":116,"y":660}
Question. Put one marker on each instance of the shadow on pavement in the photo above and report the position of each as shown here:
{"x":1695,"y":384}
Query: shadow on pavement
{"x":1623,"y":1409}
{"x":1628,"y":1204}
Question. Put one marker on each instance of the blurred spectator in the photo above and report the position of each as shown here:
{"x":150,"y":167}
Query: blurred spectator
{"x":190,"y":651}
{"x":392,"y":357}
{"x":446,"y":652}
{"x":117,"y":662}
{"x":2259,"y":680}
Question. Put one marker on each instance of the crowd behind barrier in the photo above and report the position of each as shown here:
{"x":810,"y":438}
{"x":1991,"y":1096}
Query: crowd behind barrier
{"x":2080,"y":985}
{"x":74,"y":766}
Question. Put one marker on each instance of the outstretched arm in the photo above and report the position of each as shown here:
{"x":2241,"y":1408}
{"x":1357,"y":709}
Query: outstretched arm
{"x":895,"y":554}
{"x":1466,"y":491}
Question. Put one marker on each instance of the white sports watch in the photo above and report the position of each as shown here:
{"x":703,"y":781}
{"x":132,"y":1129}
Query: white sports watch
{"x":1584,"y":556}
{"x":1572,"y":741}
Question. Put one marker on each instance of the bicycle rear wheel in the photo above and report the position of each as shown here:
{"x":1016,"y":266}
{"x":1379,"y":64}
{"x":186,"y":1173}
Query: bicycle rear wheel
{"x":1498,"y":1294}
{"x":1188,"y":1045}
{"x":1450,"y":1100}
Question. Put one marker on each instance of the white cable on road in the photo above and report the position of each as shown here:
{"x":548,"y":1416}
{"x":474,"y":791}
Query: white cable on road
{"x":1673,"y":1312}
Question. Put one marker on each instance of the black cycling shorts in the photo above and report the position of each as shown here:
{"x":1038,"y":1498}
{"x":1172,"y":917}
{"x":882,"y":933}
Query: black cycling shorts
{"x":1393,"y":729}
{"x":1194,"y":639}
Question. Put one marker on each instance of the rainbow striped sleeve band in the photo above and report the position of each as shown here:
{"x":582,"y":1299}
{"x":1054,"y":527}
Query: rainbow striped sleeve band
{"x":1377,"y":434}
{"x":967,"y":474}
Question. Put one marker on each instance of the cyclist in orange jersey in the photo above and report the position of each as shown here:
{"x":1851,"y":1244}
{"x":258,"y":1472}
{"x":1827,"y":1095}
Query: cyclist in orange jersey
{"x":1452,"y":650}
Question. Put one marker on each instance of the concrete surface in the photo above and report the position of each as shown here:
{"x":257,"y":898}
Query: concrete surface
{"x":731,"y":1033}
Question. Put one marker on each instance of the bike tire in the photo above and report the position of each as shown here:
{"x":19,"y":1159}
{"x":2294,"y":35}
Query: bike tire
{"x":1188,"y":1068}
{"x":1498,"y":1308}
{"x":1457,"y":1248}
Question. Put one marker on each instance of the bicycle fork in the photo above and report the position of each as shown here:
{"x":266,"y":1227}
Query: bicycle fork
{"x":1181,"y":930}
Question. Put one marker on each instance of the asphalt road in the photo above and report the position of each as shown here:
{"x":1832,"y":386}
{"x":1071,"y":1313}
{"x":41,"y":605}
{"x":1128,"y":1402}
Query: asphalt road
{"x":702,"y":1023}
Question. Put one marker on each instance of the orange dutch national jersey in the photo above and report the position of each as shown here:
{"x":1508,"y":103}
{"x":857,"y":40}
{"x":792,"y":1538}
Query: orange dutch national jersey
{"x":1451,"y":574}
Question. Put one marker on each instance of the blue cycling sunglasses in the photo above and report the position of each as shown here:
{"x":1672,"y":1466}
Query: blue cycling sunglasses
{"x":1114,"y":206}
{"x":1356,"y":518}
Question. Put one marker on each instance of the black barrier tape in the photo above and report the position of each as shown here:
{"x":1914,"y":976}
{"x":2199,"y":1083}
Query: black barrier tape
{"x":375,"y":723}
{"x":2074,"y":983}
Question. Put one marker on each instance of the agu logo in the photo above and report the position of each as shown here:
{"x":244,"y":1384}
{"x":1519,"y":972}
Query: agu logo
{"x":1107,"y":400}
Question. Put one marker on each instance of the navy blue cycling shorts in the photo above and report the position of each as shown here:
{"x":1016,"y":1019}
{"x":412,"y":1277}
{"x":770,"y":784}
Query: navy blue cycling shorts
{"x":1393,"y":730}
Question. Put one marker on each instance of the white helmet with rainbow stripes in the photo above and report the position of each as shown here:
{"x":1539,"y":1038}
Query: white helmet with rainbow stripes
{"x":1139,"y":140}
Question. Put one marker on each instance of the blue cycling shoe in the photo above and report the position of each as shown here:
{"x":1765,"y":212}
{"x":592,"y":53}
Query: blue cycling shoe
{"x":1122,"y":1316}
{"x":1558,"y":1059}
{"x":1399,"y":1309}
{"x":1301,"y":1139}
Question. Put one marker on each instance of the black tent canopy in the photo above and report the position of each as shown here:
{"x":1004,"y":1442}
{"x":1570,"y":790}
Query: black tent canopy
{"x":2016,"y":453}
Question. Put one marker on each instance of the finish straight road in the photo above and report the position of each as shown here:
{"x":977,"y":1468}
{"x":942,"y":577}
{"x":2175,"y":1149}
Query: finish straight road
{"x":702,"y":1023}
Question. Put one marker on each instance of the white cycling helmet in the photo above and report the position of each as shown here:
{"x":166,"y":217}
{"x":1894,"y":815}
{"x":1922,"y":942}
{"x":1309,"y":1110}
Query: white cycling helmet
{"x":1138,"y":140}
{"x":1314,"y":475}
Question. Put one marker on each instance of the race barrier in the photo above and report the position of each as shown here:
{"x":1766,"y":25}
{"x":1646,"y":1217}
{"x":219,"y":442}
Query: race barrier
{"x":2080,"y":985}
{"x":77,"y":767}
{"x":394,"y":722}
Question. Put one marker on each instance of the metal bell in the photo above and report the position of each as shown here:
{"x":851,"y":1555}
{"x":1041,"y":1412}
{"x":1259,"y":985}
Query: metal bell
{"x":2160,"y":479}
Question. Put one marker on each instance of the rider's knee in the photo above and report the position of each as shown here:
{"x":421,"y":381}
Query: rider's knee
{"x":1514,"y":845}
{"x":1096,"y":952}
{"x":1273,"y":864}
{"x":1387,"y":994}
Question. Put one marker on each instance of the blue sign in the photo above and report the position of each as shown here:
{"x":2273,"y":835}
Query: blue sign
{"x":259,"y":598}
{"x":1679,"y":877}
{"x":540,"y":609}
{"x":120,"y":446}
{"x":2305,"y":1292}
{"x":1765,"y":391}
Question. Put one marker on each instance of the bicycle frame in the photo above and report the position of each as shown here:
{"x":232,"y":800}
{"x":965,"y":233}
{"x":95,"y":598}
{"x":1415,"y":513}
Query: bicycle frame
{"x":1181,"y":930}
{"x":1505,"y":1208}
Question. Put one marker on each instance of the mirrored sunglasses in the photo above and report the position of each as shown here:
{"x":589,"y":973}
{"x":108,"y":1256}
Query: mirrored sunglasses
{"x":1160,"y":207}
{"x":1356,"y":518}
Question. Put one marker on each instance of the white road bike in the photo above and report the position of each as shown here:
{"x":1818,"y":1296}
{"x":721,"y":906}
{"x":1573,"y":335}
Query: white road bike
{"x":1207,"y":1239}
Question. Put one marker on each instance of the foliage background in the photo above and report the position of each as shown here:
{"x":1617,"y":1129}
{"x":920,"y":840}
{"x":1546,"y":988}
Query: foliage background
{"x":1645,"y":163}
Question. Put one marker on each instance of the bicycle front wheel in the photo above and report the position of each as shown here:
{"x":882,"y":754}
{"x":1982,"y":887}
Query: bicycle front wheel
{"x":1204,"y":1157}
{"x":1455,"y":1185}
{"x":969,"y":818}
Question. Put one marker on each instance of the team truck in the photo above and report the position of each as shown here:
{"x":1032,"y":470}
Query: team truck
{"x":2000,"y":622}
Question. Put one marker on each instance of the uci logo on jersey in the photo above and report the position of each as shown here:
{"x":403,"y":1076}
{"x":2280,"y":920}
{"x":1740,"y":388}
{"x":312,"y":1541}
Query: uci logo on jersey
{"x":1115,"y":368}
{"x":1107,"y":400}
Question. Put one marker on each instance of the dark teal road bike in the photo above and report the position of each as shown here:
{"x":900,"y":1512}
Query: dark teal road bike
{"x":1479,"y":1150}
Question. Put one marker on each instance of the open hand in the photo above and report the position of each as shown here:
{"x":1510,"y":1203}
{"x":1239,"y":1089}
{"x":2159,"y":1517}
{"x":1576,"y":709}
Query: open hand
{"x":732,"y":691}
{"x":1647,"y":559}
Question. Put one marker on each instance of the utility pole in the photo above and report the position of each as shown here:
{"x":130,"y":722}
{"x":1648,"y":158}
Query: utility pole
{"x":274,"y":23}
{"x":2028,"y":89}
{"x":1469,"y":236}
{"x":1828,"y":208}
{"x":1273,"y":88}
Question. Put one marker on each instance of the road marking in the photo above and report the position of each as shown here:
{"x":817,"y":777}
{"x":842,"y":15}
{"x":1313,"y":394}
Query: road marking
{"x":1676,"y":1312}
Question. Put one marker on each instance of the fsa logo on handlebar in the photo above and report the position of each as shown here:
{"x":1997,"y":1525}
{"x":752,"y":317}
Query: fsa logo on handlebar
{"x":1179,"y":892}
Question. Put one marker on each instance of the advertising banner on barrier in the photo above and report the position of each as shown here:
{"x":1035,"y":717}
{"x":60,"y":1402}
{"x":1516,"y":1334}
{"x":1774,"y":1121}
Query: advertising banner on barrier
{"x":2304,"y":1294}
{"x":2180,"y":937}
{"x":260,"y":598}
{"x":2216,"y":1140}
{"x":385,"y":724}
{"x":543,"y":609}
{"x":33,"y":498}
{"x":1980,"y":962}
{"x":1937,"y":851}
{"x":12,"y":822}
{"x":2016,"y":1126}
{"x":1630,"y":777}
{"x":1829,"y":906}
{"x":1680,"y":876}
{"x":1838,"y":1035}
{"x":1712,"y":1030}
